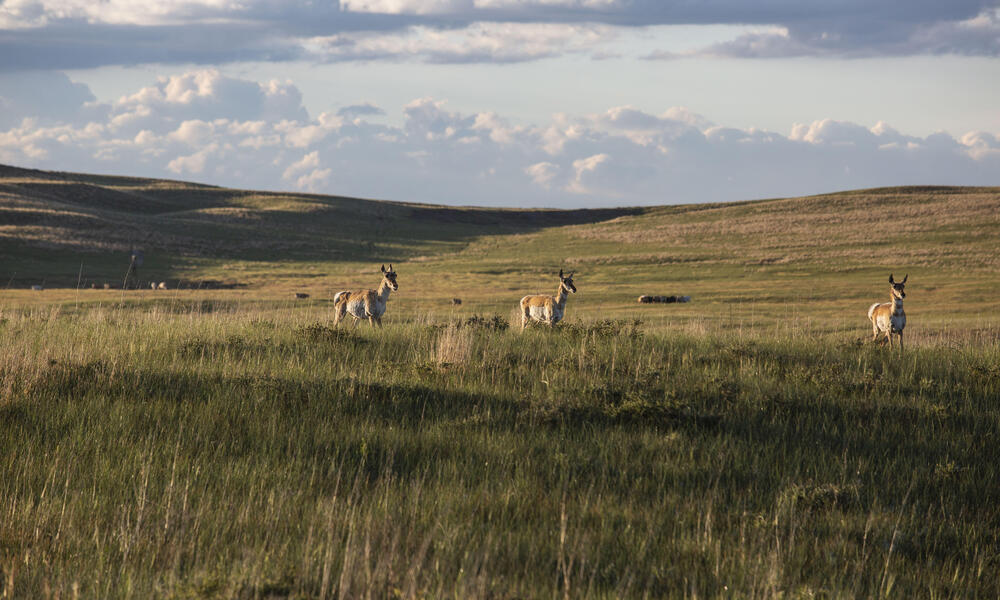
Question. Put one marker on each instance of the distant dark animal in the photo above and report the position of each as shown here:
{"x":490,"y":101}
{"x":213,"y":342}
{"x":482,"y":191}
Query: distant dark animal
{"x":301,"y":295}
{"x":456,"y":301}
{"x":644,"y":299}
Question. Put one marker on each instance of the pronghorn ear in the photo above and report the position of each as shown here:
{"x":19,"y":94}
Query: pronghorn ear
{"x":383,"y":268}
{"x":905,"y":276}
{"x":390,"y":267}
{"x":890,"y":278}
{"x":560,"y":273}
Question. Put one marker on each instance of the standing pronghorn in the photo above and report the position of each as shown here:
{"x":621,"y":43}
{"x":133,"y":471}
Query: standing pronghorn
{"x":547,"y":309}
{"x":889,"y":318}
{"x":366,"y":304}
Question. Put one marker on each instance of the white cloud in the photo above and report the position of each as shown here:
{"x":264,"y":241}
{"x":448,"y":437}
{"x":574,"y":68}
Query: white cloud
{"x":180,"y":127}
{"x":476,"y":42}
{"x":411,"y":7}
{"x":314,"y":181}
{"x":308,"y":162}
{"x":582,"y":167}
{"x":193,"y":164}
{"x":543,"y":173}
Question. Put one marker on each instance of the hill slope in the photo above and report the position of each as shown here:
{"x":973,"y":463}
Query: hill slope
{"x":751,"y":263}
{"x":51,"y":222}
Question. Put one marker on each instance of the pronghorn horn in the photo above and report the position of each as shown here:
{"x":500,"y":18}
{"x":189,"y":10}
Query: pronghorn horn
{"x":905,"y":276}
{"x":390,"y":267}
{"x":890,"y":278}
{"x":560,"y":273}
{"x":383,"y":268}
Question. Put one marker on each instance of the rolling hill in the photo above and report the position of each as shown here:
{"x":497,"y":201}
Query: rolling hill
{"x":233,"y":443}
{"x":52,"y":222}
{"x":750,"y":262}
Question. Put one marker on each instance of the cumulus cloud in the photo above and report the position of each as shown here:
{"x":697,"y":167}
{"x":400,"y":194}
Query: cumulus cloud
{"x":187,"y":126}
{"x":542,"y":173}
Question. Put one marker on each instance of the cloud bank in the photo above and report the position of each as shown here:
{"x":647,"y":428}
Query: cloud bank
{"x":72,"y":34}
{"x":208,"y":127}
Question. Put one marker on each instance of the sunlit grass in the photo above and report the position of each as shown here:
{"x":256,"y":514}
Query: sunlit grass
{"x":228,"y":450}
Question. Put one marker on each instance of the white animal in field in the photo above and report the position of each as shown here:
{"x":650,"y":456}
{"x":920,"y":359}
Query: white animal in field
{"x":366,"y":304}
{"x":547,"y":309}
{"x":888,"y":318}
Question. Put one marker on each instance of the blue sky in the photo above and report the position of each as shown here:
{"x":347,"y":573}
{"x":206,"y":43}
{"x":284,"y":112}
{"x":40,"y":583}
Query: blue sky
{"x":559,"y":103}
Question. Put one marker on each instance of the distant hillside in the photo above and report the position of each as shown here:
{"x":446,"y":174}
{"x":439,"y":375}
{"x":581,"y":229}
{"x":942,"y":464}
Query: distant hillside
{"x":51,"y":222}
{"x":57,"y":228}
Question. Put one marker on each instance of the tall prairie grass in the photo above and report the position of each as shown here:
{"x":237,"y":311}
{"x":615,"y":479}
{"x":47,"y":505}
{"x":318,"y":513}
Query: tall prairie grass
{"x":225,"y":450}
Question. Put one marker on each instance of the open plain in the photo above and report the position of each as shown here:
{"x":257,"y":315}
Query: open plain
{"x":221,"y":439}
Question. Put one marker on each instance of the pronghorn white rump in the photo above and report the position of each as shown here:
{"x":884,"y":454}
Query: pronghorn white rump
{"x":547,"y":309}
{"x":366,"y":304}
{"x":888,"y":318}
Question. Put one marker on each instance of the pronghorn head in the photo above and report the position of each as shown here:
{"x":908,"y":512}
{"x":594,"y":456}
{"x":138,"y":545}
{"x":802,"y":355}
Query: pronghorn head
{"x":567,"y":281}
{"x":897,"y":287}
{"x":390,"y":277}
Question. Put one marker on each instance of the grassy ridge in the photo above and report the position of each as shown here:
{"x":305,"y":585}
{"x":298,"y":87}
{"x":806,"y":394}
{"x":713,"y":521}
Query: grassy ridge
{"x":53,"y":226}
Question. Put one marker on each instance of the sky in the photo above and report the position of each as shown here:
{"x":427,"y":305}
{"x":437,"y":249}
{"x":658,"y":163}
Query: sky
{"x":554,"y":103}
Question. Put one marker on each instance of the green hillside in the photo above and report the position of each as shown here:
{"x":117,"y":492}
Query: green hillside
{"x":752,"y":443}
{"x":50,"y":223}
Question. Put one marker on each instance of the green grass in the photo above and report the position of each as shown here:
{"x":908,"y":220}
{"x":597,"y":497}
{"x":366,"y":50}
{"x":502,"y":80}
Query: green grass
{"x":246,"y":452}
{"x":752,"y":443}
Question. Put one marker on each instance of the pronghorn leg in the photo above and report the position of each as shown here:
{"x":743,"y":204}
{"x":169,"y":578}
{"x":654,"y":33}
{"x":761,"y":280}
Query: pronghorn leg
{"x":356,"y":321}
{"x":900,"y":342}
{"x":524,"y":317}
{"x":874,"y":331}
{"x":338,"y":313}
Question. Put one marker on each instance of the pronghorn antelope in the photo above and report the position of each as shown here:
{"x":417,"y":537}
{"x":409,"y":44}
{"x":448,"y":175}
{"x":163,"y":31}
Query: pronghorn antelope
{"x":889,"y":318}
{"x":547,"y":309}
{"x":366,"y":304}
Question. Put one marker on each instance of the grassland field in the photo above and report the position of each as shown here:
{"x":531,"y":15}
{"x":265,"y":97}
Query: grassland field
{"x":754,"y":443}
